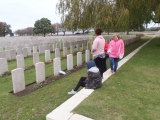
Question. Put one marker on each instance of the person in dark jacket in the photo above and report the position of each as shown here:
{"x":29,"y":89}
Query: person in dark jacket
{"x":92,"y":81}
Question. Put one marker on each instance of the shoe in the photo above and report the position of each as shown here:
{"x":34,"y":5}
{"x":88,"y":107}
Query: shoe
{"x":112,"y":71}
{"x":72,"y":92}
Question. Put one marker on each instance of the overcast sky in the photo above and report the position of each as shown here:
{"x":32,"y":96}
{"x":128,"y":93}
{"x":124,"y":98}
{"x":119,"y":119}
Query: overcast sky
{"x":23,"y":13}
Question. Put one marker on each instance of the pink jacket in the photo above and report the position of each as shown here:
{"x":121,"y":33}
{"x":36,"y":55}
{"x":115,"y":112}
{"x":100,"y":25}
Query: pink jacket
{"x":116,"y":48}
{"x":98,"y":45}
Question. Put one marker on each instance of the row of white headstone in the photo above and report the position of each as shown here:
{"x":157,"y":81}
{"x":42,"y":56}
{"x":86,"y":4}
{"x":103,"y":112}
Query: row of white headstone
{"x":11,"y":52}
{"x":12,"y":41}
{"x":20,"y":58}
{"x":18,"y":78}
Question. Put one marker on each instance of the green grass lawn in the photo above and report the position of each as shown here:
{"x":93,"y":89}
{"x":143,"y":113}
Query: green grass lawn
{"x":133,"y":93}
{"x":36,"y":105}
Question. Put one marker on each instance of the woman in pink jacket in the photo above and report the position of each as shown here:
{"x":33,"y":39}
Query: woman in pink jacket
{"x":98,"y":51}
{"x":116,"y":52}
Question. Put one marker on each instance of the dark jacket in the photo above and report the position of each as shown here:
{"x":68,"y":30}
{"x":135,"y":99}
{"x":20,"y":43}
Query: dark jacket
{"x":94,"y":79}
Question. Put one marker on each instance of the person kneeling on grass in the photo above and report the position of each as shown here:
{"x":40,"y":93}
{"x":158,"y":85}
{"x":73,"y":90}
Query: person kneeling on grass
{"x":92,"y":81}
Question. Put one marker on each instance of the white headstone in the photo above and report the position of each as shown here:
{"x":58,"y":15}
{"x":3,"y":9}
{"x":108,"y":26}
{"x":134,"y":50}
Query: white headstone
{"x":8,"y":54}
{"x":57,"y":52}
{"x":35,"y":57}
{"x":71,"y":50}
{"x":20,"y":61}
{"x":7,"y":48}
{"x":70,"y":62}
{"x":1,"y":49}
{"x":3,"y":65}
{"x":29,"y":51}
{"x":87,"y":55}
{"x":53,"y":47}
{"x":47,"y":55}
{"x":2,"y":54}
{"x":34,"y":48}
{"x":19,"y":51}
{"x":18,"y":80}
{"x":79,"y":58}
{"x":65,"y":51}
{"x":56,"y":66}
{"x":40,"y":72}
{"x":24,"y":52}
{"x":13,"y":54}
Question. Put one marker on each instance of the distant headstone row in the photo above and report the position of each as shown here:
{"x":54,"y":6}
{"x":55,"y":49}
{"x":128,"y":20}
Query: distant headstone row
{"x":27,"y":49}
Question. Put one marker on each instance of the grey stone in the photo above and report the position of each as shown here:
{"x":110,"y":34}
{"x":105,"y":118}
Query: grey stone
{"x":79,"y":58}
{"x":2,"y":54}
{"x":18,"y":80}
{"x":13,"y":54}
{"x":1,"y":49}
{"x":56,"y":66}
{"x":70,"y":62}
{"x":71,"y":50}
{"x":57,"y":52}
{"x":65,"y":51}
{"x":35,"y":57}
{"x":8,"y":54}
{"x":77,"y":48}
{"x":19,"y":51}
{"x":40,"y":72}
{"x":29,"y":51}
{"x":24,"y":50}
{"x":87,"y":55}
{"x":3,"y":65}
{"x":20,"y":61}
{"x":34,"y":48}
{"x":47,"y":55}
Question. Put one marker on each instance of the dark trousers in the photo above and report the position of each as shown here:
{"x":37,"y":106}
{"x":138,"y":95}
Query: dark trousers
{"x":100,"y":63}
{"x":105,"y":65}
{"x":81,"y":83}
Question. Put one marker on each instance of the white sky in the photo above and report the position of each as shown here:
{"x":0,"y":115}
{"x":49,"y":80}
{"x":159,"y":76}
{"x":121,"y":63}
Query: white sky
{"x":21,"y":14}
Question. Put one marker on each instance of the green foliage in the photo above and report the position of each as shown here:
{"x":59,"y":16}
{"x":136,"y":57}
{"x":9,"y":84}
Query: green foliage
{"x":5,"y":29}
{"x":108,"y":14}
{"x":43,"y":26}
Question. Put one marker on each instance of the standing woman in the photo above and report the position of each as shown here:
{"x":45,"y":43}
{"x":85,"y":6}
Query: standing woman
{"x":116,"y":52}
{"x":98,"y":51}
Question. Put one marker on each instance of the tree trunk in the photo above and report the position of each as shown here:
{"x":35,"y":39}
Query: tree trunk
{"x":63,"y":33}
{"x":108,"y":31}
{"x":83,"y":32}
{"x":127,"y":32}
{"x":44,"y":34}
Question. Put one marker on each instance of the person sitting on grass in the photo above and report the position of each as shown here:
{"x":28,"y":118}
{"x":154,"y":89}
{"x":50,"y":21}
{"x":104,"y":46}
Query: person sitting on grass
{"x":92,"y":81}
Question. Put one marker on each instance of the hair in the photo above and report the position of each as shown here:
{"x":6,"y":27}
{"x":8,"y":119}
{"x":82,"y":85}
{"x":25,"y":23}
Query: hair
{"x":98,"y":31}
{"x":118,"y":35}
{"x":115,"y":35}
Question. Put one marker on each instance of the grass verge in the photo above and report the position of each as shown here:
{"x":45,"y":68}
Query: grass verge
{"x":130,"y":94}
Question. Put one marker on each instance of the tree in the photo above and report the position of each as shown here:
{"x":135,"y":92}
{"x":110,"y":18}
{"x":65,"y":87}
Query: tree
{"x":109,"y":14}
{"x":26,"y":31}
{"x":5,"y":29}
{"x":57,"y":27}
{"x":43,"y":26}
{"x":1,"y":29}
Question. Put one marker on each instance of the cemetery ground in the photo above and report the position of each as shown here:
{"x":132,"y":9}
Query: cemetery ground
{"x":130,"y":94}
{"x":42,"y":101}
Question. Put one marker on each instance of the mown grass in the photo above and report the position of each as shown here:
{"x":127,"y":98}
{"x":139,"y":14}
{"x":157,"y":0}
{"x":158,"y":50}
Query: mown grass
{"x":36,"y":105}
{"x":130,"y":94}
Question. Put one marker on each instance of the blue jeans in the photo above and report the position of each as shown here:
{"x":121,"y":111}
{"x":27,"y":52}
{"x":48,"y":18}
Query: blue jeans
{"x":113,"y":63}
